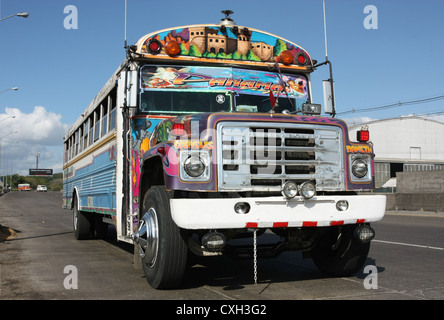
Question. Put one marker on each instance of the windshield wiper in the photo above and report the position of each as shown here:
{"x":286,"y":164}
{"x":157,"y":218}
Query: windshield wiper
{"x":286,"y":92}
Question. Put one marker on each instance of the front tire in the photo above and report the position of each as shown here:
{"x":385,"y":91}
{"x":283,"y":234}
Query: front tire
{"x":343,"y":257}
{"x":162,"y":246}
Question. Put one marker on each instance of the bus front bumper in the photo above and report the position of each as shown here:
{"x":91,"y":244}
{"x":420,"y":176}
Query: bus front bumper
{"x":273,"y":212}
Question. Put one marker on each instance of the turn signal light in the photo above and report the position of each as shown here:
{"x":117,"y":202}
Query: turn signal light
{"x":286,"y":57}
{"x":172,"y":48}
{"x":363,"y":135}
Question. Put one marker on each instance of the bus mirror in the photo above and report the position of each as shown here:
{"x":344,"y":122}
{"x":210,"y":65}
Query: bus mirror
{"x":131,"y":85}
{"x":328,"y":96}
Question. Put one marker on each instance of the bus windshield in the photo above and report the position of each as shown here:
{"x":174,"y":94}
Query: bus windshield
{"x":180,"y":90}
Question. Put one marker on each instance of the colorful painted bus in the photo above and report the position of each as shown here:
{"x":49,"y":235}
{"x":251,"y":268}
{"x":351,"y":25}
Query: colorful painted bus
{"x":24,"y":187}
{"x":206,"y":134}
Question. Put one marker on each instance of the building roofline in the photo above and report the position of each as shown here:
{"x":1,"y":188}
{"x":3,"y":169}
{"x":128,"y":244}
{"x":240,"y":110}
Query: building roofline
{"x":417,"y":117}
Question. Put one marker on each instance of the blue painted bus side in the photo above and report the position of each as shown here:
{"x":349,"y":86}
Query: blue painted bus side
{"x":94,"y":183}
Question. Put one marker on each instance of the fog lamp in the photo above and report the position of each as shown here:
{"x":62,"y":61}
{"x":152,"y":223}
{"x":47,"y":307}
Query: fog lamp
{"x":289,"y":189}
{"x":311,"y":109}
{"x":242,"y":207}
{"x":213,"y":241}
{"x":364,"y":233}
{"x":307,"y":190}
{"x":342,"y":205}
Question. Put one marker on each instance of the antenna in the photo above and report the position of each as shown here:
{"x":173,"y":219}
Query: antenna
{"x":329,"y":93}
{"x":325,"y":32}
{"x":125,"y":44}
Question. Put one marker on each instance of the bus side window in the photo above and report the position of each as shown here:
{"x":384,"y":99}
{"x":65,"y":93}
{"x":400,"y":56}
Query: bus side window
{"x":81,"y":138}
{"x":105,"y":116}
{"x":97,"y":123}
{"x":66,"y":151}
{"x":91,"y":129}
{"x":76,"y":142}
{"x":112,"y":105}
{"x":112,"y":118}
{"x":71,"y":148}
{"x":86,"y":130}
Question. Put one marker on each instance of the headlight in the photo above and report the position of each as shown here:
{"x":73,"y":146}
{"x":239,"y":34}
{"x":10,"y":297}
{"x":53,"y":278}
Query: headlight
{"x":359,"y":168}
{"x":194,"y":166}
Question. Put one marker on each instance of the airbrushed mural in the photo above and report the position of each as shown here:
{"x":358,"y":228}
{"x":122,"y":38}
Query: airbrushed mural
{"x":141,"y":131}
{"x":236,"y":43}
{"x":216,"y":79}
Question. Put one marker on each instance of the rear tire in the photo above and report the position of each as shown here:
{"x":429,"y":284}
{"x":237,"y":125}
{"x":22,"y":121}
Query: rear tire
{"x":81,"y":223}
{"x":162,"y":246}
{"x":100,"y":228}
{"x":344,"y":259}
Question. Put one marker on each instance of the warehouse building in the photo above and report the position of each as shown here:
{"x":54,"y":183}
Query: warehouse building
{"x":404,"y":144}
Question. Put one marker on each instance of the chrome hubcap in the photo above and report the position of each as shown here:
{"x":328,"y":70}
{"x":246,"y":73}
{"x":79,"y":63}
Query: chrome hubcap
{"x":147,"y":237}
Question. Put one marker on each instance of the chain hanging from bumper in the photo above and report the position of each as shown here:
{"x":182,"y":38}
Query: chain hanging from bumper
{"x":255,"y":255}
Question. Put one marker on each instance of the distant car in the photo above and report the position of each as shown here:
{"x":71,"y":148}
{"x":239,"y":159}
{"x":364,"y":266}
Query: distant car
{"x":41,"y":188}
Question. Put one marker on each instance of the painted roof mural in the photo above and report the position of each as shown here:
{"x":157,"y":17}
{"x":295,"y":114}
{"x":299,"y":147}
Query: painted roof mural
{"x":212,"y":41}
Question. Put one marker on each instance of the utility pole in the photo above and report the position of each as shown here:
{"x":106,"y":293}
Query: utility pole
{"x":37,"y":155}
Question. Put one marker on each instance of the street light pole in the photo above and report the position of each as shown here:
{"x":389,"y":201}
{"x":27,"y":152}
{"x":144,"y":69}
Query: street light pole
{"x":20,"y":14}
{"x":13,"y":88}
{"x":1,"y":144}
{"x":37,"y":155}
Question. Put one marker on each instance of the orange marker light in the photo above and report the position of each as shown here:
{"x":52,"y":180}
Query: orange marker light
{"x":172,"y":48}
{"x":286,"y":57}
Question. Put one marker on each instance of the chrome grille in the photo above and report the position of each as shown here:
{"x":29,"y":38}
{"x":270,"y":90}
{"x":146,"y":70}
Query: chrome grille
{"x":262,"y":156}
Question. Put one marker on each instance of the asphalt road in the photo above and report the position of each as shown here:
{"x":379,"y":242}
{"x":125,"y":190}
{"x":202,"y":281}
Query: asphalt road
{"x":405,"y":262}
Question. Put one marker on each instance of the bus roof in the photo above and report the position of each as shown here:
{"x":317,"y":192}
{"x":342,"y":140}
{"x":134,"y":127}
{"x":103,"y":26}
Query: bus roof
{"x":216,"y":43}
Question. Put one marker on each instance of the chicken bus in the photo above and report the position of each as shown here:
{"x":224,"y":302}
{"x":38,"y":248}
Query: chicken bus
{"x":206,"y":134}
{"x":24,"y":187}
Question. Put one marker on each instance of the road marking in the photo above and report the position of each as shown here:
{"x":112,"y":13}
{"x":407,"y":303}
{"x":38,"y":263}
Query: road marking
{"x":217,"y":292}
{"x":409,"y":245}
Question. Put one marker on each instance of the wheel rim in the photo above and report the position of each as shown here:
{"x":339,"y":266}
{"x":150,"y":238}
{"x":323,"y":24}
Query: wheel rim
{"x":148,"y":238}
{"x":75,"y":218}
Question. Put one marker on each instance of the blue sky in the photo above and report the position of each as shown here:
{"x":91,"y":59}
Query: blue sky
{"x":59,"y":71}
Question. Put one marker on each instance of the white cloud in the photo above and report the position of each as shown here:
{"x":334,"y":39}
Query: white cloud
{"x":22,"y":135}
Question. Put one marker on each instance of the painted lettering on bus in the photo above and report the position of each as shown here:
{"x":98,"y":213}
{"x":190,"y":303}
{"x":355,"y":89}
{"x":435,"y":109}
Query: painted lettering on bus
{"x":359,"y":149}
{"x":248,"y":84}
{"x":193,"y":144}
{"x":185,"y":77}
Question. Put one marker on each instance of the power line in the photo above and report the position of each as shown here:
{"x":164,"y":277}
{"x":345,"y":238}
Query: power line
{"x":393,"y":105}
